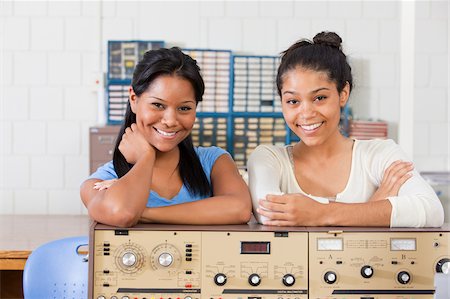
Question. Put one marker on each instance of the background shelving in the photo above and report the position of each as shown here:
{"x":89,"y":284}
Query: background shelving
{"x":122,"y":59}
{"x":240,"y":109}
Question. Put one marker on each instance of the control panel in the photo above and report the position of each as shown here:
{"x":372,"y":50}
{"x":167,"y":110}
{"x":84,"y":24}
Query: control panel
{"x":254,"y":265}
{"x":152,"y":261}
{"x":179,"y":264}
{"x":141,"y":264}
{"x":377,"y":265}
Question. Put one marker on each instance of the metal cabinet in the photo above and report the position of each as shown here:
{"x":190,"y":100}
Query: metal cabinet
{"x":101,"y":145}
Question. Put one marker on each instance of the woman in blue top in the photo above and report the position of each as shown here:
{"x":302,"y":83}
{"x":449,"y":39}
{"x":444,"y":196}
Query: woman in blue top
{"x":157,"y":175}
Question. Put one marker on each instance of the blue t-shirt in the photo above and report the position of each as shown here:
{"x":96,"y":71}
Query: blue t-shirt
{"x":207,"y":156}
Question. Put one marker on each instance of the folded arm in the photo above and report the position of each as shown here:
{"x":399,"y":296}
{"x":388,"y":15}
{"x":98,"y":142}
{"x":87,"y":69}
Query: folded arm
{"x":416,"y":203}
{"x":117,"y":205}
{"x":403,"y":198}
{"x":230,"y":203}
{"x":300,"y":210}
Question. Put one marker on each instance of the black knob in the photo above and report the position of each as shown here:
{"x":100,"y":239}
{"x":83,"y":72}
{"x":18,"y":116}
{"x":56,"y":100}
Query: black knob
{"x":403,"y":277}
{"x":366,"y":271}
{"x":254,"y":279}
{"x":220,"y":279}
{"x":288,"y":280}
{"x":330,"y":277}
{"x":443,"y":266}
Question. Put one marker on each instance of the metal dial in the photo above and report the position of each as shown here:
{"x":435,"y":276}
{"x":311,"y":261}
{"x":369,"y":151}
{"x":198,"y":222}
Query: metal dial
{"x":129,"y":259}
{"x":288,"y":280}
{"x":443,"y":266}
{"x":403,"y":277}
{"x":220,"y":279}
{"x":254,"y":279}
{"x":366,"y":271}
{"x":165,"y":259}
{"x":330,"y":277}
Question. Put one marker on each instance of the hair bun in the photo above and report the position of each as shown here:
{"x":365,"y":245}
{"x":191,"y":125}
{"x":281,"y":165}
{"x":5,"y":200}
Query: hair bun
{"x":328,"y":39}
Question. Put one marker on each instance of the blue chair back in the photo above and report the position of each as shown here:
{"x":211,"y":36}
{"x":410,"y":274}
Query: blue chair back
{"x":56,"y":270}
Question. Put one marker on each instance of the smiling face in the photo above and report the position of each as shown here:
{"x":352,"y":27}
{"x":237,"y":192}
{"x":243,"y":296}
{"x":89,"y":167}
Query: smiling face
{"x":311,"y":105}
{"x":165,"y":112}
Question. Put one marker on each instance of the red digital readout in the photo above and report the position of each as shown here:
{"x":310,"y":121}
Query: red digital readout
{"x":255,"y":247}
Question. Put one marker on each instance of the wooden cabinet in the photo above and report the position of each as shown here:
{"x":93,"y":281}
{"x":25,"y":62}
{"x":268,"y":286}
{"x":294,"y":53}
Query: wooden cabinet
{"x":101,"y":145}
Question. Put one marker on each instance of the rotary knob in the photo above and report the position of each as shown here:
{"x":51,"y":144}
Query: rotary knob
{"x":366,"y":271}
{"x":330,"y":277}
{"x":165,"y":259}
{"x":403,"y":277}
{"x":443,"y":266}
{"x":129,"y":259}
{"x":220,"y":279}
{"x":254,"y":279}
{"x":288,"y":280}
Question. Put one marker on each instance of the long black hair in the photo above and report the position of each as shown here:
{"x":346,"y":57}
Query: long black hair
{"x":324,"y":54}
{"x":156,"y":63}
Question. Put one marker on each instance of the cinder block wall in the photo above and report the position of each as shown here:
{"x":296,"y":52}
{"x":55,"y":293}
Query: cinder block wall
{"x":52,"y":53}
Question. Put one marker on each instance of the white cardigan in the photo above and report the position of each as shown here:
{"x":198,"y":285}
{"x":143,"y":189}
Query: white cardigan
{"x":270,"y":171}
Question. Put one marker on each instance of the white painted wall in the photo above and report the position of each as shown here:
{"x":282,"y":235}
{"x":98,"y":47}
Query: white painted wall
{"x":52,"y":53}
{"x":407,"y":63}
{"x":432,"y":99}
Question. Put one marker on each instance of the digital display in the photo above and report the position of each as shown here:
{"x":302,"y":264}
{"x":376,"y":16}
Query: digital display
{"x":255,"y":247}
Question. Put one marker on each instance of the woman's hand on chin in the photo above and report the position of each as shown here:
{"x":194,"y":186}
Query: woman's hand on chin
{"x":134,"y":146}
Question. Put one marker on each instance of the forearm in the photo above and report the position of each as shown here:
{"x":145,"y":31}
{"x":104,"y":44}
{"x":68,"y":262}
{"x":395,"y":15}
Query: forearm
{"x":123,"y":203}
{"x":217,"y":210}
{"x":264,"y":177}
{"x":377,"y":213}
